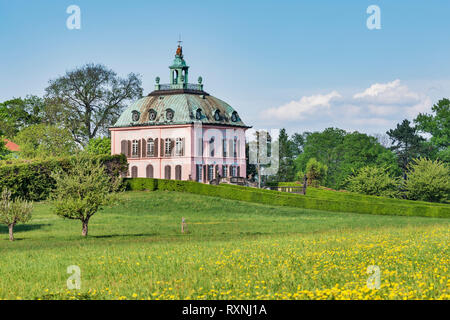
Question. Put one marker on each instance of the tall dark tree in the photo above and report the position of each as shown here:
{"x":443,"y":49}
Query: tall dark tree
{"x":406,"y":143}
{"x":286,"y":169}
{"x":438,"y":126}
{"x":89,"y":99}
{"x":297,"y":142}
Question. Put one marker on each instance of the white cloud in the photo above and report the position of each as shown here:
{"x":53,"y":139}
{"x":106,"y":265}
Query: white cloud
{"x":375,"y":109}
{"x":298,"y":110}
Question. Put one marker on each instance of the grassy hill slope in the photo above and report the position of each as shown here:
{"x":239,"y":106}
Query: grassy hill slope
{"x":234,"y":250}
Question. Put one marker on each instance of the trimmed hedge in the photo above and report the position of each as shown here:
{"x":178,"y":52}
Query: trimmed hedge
{"x":408,"y":208}
{"x":31,"y":179}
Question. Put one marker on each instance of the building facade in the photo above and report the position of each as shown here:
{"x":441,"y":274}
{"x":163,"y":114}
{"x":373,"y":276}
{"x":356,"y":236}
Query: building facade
{"x":181,"y":132}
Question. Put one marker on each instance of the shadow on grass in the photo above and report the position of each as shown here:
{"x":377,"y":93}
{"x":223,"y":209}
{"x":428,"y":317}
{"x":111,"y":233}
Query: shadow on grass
{"x":126,"y":235}
{"x":23,"y":227}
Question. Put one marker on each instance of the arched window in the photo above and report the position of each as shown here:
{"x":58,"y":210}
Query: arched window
{"x":233,"y":171}
{"x":135,"y":148}
{"x":210,"y":172}
{"x":134,"y":172}
{"x":234,"y":116}
{"x":179,"y":146}
{"x":150,"y":147}
{"x":224,"y":170}
{"x":198,"y":114}
{"x":149,"y":171}
{"x":217,"y":115}
{"x":178,"y":172}
{"x":238,"y":171}
{"x":167,"y":172}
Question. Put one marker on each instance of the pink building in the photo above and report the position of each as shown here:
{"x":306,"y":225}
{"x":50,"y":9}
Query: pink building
{"x":181,"y":132}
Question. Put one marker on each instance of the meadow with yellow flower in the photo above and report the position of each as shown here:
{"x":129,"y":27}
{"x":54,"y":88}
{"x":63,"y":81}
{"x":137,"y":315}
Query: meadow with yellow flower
{"x":232,"y":250}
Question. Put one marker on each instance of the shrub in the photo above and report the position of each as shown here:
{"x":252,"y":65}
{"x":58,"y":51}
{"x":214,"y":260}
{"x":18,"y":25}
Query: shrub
{"x":316,"y":172}
{"x":428,"y":180}
{"x":342,"y":202}
{"x":374,"y":181}
{"x":31,"y":179}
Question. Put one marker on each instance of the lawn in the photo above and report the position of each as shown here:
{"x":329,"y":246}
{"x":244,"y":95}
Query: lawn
{"x":233,"y":250}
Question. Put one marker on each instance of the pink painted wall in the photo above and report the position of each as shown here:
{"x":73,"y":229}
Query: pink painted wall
{"x":192,"y":155}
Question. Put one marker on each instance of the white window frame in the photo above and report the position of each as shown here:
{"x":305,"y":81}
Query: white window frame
{"x":150,"y":147}
{"x":135,"y":148}
{"x":167,"y":149}
{"x":178,"y":146}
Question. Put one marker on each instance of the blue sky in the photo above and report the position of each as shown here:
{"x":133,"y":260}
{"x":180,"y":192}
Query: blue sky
{"x":302,"y":65}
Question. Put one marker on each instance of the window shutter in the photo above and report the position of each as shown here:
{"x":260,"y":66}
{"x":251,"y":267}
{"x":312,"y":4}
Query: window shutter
{"x":238,"y":148}
{"x":162,"y":147}
{"x":129,"y":149}
{"x":123,"y":147}
{"x":172,"y":147}
{"x":182,"y":146}
{"x":230,"y":147}
{"x":144,"y":148}
{"x":155,"y":154}
{"x":139,"y":148}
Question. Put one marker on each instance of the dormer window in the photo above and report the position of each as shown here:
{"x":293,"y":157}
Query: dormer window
{"x":169,"y":114}
{"x":135,"y":115}
{"x":217,"y":115}
{"x":152,"y":115}
{"x":198,"y":114}
{"x":234,"y":116}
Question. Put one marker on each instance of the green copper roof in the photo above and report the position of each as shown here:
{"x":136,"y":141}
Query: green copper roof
{"x":184,"y":107}
{"x":179,"y":102}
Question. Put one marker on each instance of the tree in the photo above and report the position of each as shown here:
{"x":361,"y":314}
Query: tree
{"x":428,"y":180}
{"x":3,"y":150}
{"x":89,"y":99}
{"x":13,"y":212}
{"x":376,"y":181}
{"x":42,"y":141}
{"x":316,"y":172}
{"x":98,"y":146}
{"x":343,"y":152}
{"x":438,"y":126}
{"x":286,"y":170}
{"x":17,"y":113}
{"x":406,"y":143}
{"x":83,"y":190}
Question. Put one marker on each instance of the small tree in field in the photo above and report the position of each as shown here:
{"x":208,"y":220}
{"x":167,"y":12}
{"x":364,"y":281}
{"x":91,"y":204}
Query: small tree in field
{"x":316,"y":172}
{"x":14,"y":211}
{"x":83,"y":190}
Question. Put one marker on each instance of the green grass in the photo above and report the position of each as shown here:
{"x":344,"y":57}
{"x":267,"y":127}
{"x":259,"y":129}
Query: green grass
{"x":233,"y":250}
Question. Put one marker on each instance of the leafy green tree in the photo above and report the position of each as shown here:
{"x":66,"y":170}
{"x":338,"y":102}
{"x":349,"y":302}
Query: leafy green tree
{"x":83,"y":190}
{"x":342,"y":153}
{"x":438,"y":126}
{"x":89,"y":99}
{"x":17,"y":113}
{"x":14,"y":211}
{"x":3,"y":150}
{"x":406,"y":143}
{"x":99,"y":146}
{"x":428,"y":180}
{"x":376,"y":181}
{"x":42,"y":141}
{"x":316,"y":172}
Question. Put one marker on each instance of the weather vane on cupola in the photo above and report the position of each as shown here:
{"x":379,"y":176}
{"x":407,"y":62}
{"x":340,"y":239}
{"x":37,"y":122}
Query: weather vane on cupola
{"x":179,"y":49}
{"x":179,"y":74}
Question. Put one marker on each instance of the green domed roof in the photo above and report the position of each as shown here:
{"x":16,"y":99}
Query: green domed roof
{"x":179,"y":103}
{"x":179,"y":107}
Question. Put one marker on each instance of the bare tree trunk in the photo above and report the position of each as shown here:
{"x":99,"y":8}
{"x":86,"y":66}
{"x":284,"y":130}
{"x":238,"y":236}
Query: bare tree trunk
{"x":11,"y":234}
{"x":85,"y":228}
